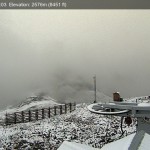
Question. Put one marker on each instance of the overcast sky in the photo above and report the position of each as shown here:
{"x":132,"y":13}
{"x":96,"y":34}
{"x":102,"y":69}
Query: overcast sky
{"x":45,"y":50}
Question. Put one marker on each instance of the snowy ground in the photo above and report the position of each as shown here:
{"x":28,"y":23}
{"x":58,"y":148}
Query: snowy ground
{"x":80,"y":126}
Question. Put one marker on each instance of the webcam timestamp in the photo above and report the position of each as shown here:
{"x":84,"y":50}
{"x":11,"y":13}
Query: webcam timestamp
{"x":48,"y":5}
{"x":3,"y":5}
{"x":33,"y":5}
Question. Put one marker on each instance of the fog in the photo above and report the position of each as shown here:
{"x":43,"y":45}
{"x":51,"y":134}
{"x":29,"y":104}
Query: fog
{"x":59,"y":51}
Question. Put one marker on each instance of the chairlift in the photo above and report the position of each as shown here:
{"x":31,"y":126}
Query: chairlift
{"x":125,"y":109}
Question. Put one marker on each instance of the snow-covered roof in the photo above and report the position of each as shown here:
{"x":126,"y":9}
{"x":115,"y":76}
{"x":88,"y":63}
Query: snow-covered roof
{"x":140,"y":141}
{"x":122,"y":144}
{"x":75,"y":146}
{"x":145,"y":144}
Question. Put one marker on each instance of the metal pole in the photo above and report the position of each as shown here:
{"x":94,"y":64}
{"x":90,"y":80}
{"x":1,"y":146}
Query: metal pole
{"x":94,"y":88}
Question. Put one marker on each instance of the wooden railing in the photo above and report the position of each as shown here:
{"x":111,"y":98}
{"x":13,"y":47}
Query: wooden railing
{"x":38,"y":114}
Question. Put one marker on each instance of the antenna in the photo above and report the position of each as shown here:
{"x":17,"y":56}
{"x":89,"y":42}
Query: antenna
{"x":94,"y":88}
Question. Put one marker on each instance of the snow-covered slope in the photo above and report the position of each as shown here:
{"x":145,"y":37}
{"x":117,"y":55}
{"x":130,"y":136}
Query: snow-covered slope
{"x":80,"y":126}
{"x":32,"y":102}
{"x":42,"y":100}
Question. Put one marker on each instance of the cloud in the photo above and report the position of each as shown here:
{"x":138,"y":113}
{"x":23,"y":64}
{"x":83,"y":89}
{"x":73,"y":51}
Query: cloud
{"x":60,"y":51}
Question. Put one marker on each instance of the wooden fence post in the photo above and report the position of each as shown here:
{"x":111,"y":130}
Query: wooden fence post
{"x":22,"y":114}
{"x":65,"y":108}
{"x":6,"y":121}
{"x":60,"y":109}
{"x":15,"y":118}
{"x":29,"y":115}
{"x":43,"y":113}
{"x":74,"y":105}
{"x":70,"y":107}
{"x":49,"y":112}
{"x":55,"y":110}
{"x":36,"y":115}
